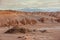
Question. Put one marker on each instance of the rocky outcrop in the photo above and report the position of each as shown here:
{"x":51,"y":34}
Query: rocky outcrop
{"x":26,"y":21}
{"x":17,"y":29}
{"x":57,"y":20}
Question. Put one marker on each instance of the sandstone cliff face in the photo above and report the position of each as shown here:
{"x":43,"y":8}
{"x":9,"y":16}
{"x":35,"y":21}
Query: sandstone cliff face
{"x":13,"y":18}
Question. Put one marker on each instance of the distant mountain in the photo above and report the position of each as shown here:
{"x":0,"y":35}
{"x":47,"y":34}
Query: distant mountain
{"x":39,"y":10}
{"x":31,"y":10}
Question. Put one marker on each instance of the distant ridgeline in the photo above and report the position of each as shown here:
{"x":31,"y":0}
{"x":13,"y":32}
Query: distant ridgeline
{"x":39,"y":9}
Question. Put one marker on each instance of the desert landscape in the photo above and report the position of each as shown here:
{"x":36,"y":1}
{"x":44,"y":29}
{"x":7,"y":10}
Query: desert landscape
{"x":20,"y":25}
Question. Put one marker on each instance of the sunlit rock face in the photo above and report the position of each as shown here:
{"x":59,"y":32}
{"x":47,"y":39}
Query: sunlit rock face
{"x":26,"y":21}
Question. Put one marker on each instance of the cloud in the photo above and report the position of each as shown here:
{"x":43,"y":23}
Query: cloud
{"x":15,"y":4}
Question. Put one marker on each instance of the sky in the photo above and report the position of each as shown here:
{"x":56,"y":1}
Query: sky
{"x":19,"y":4}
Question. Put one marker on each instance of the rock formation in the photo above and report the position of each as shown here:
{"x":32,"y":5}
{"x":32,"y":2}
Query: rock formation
{"x":13,"y":18}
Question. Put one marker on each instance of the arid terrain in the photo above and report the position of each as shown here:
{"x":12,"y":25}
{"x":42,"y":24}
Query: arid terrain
{"x":19,"y":25}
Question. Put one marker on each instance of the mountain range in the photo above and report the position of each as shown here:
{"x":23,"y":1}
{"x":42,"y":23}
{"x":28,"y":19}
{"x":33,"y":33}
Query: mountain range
{"x":39,"y":9}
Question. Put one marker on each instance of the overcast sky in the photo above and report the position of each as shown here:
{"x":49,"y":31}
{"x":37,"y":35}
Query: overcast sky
{"x":16,"y":4}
